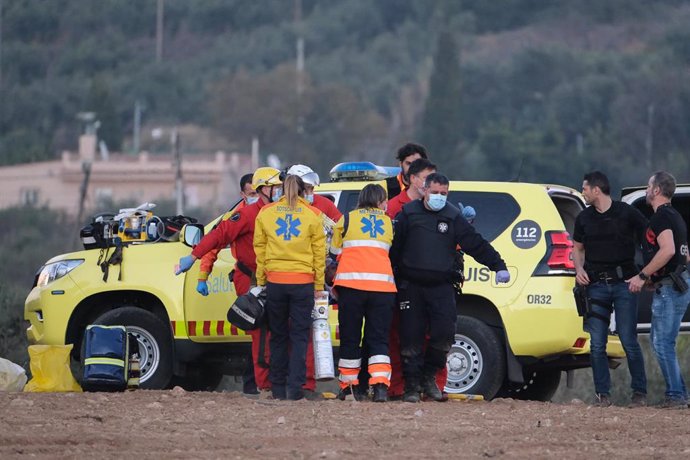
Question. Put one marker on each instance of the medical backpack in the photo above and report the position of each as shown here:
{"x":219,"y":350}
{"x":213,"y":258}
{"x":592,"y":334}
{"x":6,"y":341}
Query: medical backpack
{"x":110,"y":359}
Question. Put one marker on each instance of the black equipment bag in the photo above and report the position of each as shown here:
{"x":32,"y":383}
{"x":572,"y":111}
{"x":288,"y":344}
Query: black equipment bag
{"x":105,"y":358}
{"x":99,"y":232}
{"x":247,"y":313}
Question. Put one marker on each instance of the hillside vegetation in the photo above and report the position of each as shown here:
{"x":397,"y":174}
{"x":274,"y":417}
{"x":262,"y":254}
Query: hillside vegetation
{"x":507,"y":89}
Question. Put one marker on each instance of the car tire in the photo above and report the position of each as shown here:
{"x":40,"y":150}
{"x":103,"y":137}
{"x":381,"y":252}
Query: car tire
{"x":476,"y":361}
{"x":155,"y":343}
{"x":539,"y":385}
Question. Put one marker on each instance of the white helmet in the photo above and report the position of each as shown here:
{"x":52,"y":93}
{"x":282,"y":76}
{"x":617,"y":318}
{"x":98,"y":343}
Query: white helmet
{"x":305,"y":173}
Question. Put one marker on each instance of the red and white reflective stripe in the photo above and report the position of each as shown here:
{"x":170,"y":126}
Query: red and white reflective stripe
{"x":349,"y":371}
{"x":379,"y":369}
{"x":366,"y":244}
{"x":361,"y":276}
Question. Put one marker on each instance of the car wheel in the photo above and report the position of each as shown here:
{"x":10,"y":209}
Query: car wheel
{"x":155,"y":343}
{"x":476,"y":361}
{"x":539,"y":385}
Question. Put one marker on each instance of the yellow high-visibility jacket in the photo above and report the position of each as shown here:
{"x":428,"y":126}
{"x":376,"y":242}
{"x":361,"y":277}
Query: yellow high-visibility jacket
{"x":363,"y":261}
{"x":290,"y":244}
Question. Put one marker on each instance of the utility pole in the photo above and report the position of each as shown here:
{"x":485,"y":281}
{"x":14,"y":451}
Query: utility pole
{"x":86,"y":169}
{"x":300,"y":65}
{"x":136,"y":135}
{"x":0,"y":44}
{"x":159,"y":31}
{"x":649,"y":141}
{"x":177,"y":159}
{"x":300,"y":48}
{"x":255,"y":153}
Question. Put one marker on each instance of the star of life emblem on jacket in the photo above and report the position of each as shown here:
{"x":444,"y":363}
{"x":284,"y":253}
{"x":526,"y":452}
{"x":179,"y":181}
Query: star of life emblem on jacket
{"x":442,"y":227}
{"x":288,"y":227}
{"x":372,"y":225}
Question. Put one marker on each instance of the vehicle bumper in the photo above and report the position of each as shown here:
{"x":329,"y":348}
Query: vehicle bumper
{"x":50,"y":305}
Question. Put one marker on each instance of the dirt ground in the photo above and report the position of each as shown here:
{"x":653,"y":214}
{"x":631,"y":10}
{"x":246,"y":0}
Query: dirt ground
{"x":178,"y":424}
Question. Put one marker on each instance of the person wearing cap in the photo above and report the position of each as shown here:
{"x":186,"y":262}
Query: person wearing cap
{"x":238,"y":230}
{"x":290,"y":247}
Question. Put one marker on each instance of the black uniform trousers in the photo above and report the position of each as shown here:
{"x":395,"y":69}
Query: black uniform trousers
{"x":425,"y":309}
{"x":376,"y":310}
{"x":289,"y":308}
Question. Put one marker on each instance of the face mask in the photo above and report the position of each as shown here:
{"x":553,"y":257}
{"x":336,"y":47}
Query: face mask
{"x":310,"y":198}
{"x":436,"y":201}
{"x":277,"y":193}
{"x":252,"y":199}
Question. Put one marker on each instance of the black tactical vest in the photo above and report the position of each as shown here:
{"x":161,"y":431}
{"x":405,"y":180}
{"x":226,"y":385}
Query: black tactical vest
{"x":429,"y":251}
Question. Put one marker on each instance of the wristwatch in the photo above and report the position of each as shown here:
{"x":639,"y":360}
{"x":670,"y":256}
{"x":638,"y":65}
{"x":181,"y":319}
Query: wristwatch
{"x":643,"y":276}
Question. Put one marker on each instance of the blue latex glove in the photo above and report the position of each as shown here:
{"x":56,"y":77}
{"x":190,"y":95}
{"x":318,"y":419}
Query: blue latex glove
{"x":202,"y":288}
{"x":469,"y":213}
{"x":502,"y":276}
{"x":186,"y":263}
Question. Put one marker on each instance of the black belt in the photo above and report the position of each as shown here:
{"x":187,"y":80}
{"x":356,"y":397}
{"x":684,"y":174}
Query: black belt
{"x":244,"y":269}
{"x":615,"y":273}
{"x":666,"y":279}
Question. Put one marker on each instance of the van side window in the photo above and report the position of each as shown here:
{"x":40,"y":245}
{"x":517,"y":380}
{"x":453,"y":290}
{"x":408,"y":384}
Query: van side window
{"x":348,"y":200}
{"x":495,"y":211}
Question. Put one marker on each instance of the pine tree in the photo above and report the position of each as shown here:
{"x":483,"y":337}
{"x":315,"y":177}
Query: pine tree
{"x":101,"y":102}
{"x":441,"y":122}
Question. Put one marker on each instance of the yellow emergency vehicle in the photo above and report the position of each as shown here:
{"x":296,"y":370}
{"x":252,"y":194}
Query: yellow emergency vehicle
{"x":512,"y":340}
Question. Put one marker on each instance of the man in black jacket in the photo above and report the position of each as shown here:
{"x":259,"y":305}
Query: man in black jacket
{"x":427,"y":233}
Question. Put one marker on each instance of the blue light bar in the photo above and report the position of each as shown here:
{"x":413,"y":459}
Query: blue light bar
{"x":361,"y":170}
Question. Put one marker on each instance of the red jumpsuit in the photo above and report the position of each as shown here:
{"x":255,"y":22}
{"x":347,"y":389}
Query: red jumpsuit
{"x":327,"y":207}
{"x":395,"y":205}
{"x":238,"y":230}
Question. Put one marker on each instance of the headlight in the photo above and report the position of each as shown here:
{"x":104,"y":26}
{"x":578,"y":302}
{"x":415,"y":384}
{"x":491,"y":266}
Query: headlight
{"x":56,"y":270}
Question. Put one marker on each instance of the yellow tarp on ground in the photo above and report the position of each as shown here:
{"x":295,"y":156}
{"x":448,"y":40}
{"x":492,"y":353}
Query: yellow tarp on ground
{"x":50,"y":370}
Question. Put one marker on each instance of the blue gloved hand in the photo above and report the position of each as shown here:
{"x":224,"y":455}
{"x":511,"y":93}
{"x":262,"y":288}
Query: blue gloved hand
{"x":186,"y":263}
{"x":469,"y":213}
{"x":202,"y":288}
{"x":502,"y":276}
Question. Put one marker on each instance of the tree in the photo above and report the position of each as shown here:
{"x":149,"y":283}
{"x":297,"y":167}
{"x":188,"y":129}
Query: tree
{"x":441,"y":122}
{"x":101,"y":102}
{"x":325,"y":125}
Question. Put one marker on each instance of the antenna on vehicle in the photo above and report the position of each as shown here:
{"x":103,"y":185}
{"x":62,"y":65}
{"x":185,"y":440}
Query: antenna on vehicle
{"x":517,"y":177}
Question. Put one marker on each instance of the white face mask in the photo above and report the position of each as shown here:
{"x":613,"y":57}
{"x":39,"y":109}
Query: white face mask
{"x":436,"y":201}
{"x":277,"y":193}
{"x":251,"y":199}
{"x":309,"y":198}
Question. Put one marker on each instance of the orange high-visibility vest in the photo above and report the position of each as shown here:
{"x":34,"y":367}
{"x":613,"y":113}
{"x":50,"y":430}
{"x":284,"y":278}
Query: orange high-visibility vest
{"x":363,"y":261}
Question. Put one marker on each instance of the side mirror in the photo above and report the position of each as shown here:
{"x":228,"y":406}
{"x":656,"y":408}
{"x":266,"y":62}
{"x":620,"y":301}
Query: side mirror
{"x":191,"y":234}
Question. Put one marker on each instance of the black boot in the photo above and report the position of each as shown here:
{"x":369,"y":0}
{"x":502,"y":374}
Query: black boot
{"x":412,"y":392}
{"x":355,"y":392}
{"x":380,"y":393}
{"x":430,"y":388}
